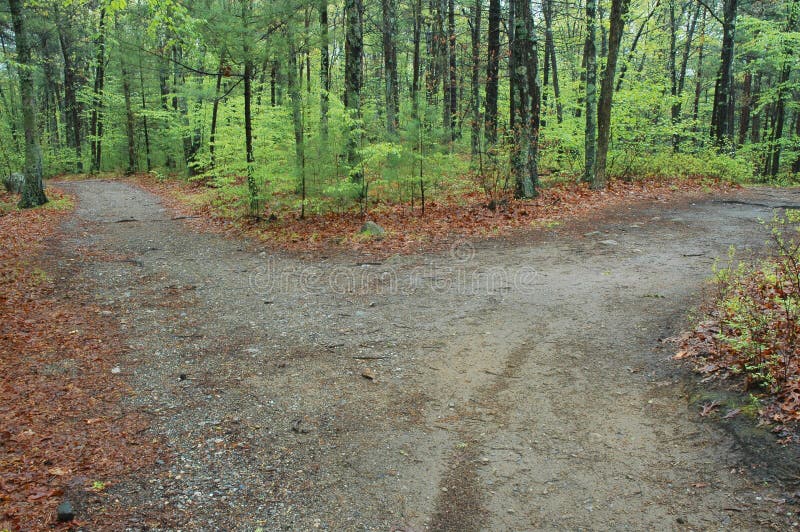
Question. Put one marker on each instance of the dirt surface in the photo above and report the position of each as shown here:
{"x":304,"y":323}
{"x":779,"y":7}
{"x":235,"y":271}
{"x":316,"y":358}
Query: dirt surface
{"x":498,"y":386}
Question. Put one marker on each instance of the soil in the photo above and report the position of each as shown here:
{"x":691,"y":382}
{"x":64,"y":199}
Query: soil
{"x":517,"y":384}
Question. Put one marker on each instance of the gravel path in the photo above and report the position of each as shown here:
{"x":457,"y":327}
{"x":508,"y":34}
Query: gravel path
{"x":498,"y":386}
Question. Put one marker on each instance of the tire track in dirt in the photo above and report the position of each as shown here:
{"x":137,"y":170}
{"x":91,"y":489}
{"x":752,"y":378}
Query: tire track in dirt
{"x":460,"y":505}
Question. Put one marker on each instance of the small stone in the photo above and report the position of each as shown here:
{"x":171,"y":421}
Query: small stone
{"x":116,"y":370}
{"x":591,"y":233}
{"x":65,"y":512}
{"x":681,"y":520}
{"x":609,"y":242}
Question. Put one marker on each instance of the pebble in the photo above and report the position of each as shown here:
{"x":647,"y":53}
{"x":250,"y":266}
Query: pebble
{"x":65,"y":512}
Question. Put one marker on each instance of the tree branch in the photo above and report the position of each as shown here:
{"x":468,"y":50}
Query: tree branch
{"x":711,"y":12}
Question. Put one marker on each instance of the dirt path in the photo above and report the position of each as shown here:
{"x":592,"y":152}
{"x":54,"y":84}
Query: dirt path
{"x":518,"y":386}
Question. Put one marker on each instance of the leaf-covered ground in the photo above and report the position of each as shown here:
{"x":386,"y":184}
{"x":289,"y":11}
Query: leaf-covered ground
{"x":407,"y":229}
{"x":750,"y":330}
{"x":62,"y":433}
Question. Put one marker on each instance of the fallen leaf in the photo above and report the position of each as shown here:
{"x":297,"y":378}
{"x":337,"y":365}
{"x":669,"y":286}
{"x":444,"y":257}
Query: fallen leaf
{"x":368,"y":374}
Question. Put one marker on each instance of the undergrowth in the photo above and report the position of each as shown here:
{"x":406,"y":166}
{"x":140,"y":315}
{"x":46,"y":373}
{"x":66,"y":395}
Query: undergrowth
{"x":751,"y":327}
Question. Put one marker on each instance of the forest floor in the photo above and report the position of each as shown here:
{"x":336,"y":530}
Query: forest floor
{"x":506,"y":384}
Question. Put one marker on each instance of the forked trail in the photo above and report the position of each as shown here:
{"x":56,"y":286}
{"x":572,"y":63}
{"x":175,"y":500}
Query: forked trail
{"x":516,"y":385}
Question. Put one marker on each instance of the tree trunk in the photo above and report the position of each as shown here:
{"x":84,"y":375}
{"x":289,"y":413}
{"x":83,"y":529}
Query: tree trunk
{"x":353,"y":80}
{"x":144,"y":117}
{"x":675,"y":107}
{"x":780,"y":112}
{"x":71,"y":107}
{"x":511,"y":28}
{"x":746,"y":108}
{"x":415,"y":66}
{"x":324,"y":70}
{"x":297,"y":122}
{"x":523,"y":80}
{"x":391,"y":92}
{"x":441,"y":47}
{"x":33,"y":189}
{"x":212,"y":136}
{"x":130,"y":127}
{"x":97,"y":107}
{"x":590,"y":55}
{"x":475,"y":33}
{"x":248,"y":116}
{"x":698,"y":84}
{"x":550,"y":57}
{"x":755,"y":119}
{"x":252,"y":186}
{"x":619,"y":8}
{"x":687,"y":48}
{"x":722,"y":114}
{"x":492,"y":72}
{"x":451,"y":78}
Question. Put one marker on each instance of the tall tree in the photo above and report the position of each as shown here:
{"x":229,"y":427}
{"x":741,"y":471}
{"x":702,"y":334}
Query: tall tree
{"x":255,"y":203}
{"x":415,"y":62}
{"x":97,"y":100}
{"x":353,"y":80}
{"x":71,"y":86}
{"x":475,"y":85}
{"x":391,"y":89}
{"x":297,"y":120}
{"x":619,"y":9}
{"x":525,"y":97}
{"x":33,"y":189}
{"x":722,"y":113}
{"x":492,"y":73}
{"x":451,"y":98}
{"x":590,"y":60}
{"x":550,"y":58}
{"x":789,"y":64}
{"x":324,"y":69}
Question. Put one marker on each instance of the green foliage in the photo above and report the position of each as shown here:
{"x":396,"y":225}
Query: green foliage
{"x":171,"y":52}
{"x":666,"y":163}
{"x":758,"y":308}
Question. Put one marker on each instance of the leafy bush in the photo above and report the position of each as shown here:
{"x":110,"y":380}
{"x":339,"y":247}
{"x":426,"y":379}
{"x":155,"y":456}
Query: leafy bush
{"x":707,"y":163}
{"x":752,"y":327}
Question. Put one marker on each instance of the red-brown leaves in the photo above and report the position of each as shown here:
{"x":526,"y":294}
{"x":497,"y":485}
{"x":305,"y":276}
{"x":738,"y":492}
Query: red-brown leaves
{"x":61,"y":425}
{"x":408,"y":231}
{"x":751,"y":332}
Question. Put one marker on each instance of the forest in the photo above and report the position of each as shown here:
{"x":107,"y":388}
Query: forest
{"x":382,"y":265}
{"x":316,"y":106}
